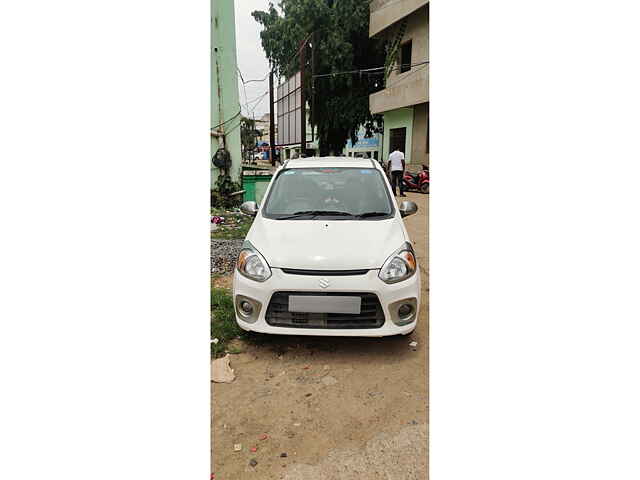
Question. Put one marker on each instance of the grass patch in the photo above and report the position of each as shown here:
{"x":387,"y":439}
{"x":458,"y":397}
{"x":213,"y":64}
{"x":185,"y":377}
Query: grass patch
{"x":234,"y":350}
{"x":223,"y":322}
{"x":234,"y":227}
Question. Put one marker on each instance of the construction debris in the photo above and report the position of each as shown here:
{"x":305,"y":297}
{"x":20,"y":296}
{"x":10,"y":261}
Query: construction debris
{"x":221,"y":372}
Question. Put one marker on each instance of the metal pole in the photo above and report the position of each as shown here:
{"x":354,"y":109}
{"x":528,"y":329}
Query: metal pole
{"x":313,"y":85}
{"x":272,"y":129}
{"x":303,"y":100}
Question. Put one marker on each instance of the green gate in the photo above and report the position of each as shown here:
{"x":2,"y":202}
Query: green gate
{"x":255,"y":187}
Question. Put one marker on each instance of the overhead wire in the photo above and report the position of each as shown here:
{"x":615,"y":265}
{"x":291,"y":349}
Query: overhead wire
{"x":227,"y":120}
{"x":244,"y":87}
{"x":249,"y":81}
{"x":398,"y":80}
{"x":370,"y":70}
{"x":257,"y":80}
{"x":247,"y":101}
{"x":260,"y":99}
{"x":256,"y":98}
{"x":295,"y":55}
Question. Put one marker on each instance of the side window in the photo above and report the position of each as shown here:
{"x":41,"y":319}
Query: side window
{"x":405,"y":57}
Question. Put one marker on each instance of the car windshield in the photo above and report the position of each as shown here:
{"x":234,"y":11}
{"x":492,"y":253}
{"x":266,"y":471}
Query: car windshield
{"x":343,"y":193}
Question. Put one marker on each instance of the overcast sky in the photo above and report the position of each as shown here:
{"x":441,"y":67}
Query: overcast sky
{"x":252,"y":61}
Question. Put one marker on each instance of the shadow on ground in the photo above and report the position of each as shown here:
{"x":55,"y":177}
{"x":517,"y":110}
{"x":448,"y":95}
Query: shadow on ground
{"x":387,"y":349}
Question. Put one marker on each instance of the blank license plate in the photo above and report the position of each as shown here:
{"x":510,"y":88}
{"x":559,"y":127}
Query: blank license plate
{"x":317,"y":304}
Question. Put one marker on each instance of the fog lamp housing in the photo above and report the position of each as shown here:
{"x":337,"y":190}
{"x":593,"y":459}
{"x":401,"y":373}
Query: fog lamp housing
{"x":247,"y":309}
{"x":404,"y":311}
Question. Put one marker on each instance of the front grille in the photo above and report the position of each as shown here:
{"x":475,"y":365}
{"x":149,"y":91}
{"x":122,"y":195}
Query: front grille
{"x":324,"y":273}
{"x":370,"y":316}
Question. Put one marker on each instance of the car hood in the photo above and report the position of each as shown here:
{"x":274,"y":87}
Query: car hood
{"x":326,"y":244}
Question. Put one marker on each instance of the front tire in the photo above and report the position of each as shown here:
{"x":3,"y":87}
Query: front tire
{"x":424,"y":188}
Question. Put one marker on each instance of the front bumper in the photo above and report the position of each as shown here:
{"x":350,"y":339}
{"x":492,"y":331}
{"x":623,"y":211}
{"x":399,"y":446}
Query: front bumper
{"x":368,"y":283}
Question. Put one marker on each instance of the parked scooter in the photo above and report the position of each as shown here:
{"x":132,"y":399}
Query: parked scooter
{"x":418,"y":182}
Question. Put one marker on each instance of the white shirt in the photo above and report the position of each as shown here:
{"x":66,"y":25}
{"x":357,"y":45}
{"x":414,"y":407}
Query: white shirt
{"x":395,"y":159}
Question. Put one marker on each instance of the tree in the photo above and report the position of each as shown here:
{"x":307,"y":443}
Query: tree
{"x":248,"y":135}
{"x":341,"y":35}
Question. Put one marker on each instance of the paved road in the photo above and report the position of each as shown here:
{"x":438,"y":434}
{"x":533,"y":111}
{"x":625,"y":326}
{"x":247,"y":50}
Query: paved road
{"x":345,"y":409}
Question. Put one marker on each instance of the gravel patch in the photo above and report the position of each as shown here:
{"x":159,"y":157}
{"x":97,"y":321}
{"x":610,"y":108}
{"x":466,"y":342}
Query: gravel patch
{"x":224,"y":254}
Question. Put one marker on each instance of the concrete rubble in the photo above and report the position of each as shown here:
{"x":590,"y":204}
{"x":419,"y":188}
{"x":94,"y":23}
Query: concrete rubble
{"x":221,"y":371}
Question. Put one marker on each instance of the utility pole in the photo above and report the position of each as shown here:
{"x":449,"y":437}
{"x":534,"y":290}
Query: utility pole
{"x":313,"y":85}
{"x":303,"y":100}
{"x":272,"y":129}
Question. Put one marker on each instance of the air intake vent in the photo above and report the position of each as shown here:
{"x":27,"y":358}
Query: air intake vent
{"x":324,"y":273}
{"x":370,"y":316}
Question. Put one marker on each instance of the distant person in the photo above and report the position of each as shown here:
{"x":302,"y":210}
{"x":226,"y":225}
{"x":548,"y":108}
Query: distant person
{"x":397,"y":166}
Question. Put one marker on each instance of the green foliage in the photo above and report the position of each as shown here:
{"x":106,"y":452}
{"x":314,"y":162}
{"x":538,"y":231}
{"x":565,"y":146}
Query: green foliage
{"x":223,"y":322}
{"x":235,"y":226}
{"x":341,"y":35}
{"x":221,"y":198}
{"x":248,"y":134}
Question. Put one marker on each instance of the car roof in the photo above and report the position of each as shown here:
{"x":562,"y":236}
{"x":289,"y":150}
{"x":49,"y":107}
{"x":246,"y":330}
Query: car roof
{"x":311,"y":162}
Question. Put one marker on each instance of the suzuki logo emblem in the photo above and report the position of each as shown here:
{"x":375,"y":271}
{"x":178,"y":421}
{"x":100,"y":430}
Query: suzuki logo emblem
{"x":324,"y":283}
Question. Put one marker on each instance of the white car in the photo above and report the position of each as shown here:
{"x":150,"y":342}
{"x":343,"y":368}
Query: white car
{"x":328,"y":254}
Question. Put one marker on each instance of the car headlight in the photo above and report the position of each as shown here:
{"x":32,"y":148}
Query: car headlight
{"x":399,"y":266}
{"x":251,"y":264}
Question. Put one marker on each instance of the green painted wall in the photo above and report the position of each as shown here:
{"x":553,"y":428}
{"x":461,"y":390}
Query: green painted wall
{"x":261,"y":189}
{"x":225,"y":102}
{"x":402,"y":117}
{"x":255,"y":186}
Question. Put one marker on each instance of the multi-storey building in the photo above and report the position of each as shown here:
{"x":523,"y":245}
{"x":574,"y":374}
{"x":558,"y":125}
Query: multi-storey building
{"x":404,"y":102}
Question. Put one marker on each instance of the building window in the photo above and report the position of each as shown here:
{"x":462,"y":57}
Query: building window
{"x":398,"y":139}
{"x":405,"y":57}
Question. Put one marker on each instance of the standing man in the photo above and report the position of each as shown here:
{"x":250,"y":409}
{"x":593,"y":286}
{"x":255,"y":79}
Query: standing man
{"x":396,"y":165}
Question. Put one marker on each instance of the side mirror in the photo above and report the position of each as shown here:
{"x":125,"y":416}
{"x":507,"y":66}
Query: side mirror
{"x":249,"y":208}
{"x":406,"y":208}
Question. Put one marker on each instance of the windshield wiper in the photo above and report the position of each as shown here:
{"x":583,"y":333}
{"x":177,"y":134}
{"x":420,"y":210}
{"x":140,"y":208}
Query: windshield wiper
{"x":315,"y":213}
{"x":373,"y":214}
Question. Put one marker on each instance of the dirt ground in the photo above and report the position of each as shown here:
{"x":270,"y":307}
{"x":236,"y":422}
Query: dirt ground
{"x":339,"y":408}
